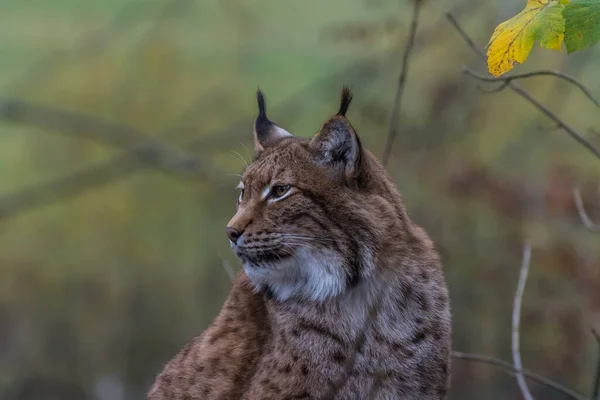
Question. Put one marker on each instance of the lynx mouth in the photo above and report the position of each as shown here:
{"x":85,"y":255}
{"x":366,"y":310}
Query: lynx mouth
{"x":265,"y":257}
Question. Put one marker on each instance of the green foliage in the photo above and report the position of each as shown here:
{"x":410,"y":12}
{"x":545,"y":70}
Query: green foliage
{"x":576,"y":22}
{"x":582,"y":20}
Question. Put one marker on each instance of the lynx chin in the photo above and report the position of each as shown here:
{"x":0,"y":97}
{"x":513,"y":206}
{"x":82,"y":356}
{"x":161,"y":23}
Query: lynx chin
{"x":341,"y":295}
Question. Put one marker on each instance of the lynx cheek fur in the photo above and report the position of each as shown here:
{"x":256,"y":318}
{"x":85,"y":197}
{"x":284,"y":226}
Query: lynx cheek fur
{"x":323,"y":237}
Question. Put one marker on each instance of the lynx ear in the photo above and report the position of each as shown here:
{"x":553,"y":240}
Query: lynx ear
{"x":336,"y":142}
{"x":266,"y":133}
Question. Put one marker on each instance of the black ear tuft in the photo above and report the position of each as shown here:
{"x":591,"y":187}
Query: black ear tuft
{"x":262,"y":106}
{"x":266,"y":133}
{"x":262,"y":125}
{"x":346,"y":100}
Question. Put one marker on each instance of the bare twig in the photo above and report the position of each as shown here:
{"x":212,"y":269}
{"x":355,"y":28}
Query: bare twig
{"x":72,"y":122}
{"x":401,"y":83}
{"x":548,"y":128}
{"x":508,"y":367}
{"x":466,"y":37}
{"x":103,"y":173}
{"x":506,"y":79}
{"x":493,"y":90}
{"x":516,"y":321}
{"x":596,"y":386}
{"x":520,"y":91}
{"x":585,"y":218}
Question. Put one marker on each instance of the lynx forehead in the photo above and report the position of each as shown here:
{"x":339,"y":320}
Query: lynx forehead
{"x":323,"y":236}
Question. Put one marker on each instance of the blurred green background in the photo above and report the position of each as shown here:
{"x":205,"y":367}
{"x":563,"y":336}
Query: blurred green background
{"x":110,"y":264}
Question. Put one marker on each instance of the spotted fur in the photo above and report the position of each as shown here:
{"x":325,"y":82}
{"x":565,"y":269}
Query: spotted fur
{"x":341,"y":295}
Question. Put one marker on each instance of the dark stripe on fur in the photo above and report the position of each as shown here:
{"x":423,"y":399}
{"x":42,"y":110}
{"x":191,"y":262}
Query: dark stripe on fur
{"x":320,"y":330}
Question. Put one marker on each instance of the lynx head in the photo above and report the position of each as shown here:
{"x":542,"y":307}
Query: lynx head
{"x":311,"y":214}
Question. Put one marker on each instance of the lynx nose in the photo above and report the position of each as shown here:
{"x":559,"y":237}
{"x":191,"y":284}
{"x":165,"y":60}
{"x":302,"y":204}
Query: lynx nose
{"x":233,"y":234}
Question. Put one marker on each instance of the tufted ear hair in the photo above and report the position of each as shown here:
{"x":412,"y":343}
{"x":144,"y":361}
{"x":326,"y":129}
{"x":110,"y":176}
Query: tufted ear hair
{"x":337,"y":144}
{"x":266,"y":133}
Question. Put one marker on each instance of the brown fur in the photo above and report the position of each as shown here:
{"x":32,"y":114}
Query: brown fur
{"x":304,"y":328}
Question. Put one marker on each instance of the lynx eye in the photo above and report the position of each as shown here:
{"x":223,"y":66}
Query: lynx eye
{"x":240,"y":186}
{"x":279,"y":191}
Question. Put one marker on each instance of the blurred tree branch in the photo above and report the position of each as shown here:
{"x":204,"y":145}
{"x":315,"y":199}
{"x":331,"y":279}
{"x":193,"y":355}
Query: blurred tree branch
{"x":585,"y":218}
{"x":559,"y":122}
{"x":516,"y":321}
{"x":142,"y":152}
{"x":506,"y":80}
{"x":401,"y":83}
{"x":510,"y":368}
{"x":146,"y":148}
{"x":116,"y":167}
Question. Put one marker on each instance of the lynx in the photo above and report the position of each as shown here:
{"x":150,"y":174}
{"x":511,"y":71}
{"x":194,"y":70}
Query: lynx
{"x":341,"y":295}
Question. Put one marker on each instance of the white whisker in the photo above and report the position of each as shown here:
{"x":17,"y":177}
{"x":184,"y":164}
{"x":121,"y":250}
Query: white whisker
{"x":240,"y":157}
{"x":248,"y":152}
{"x":304,"y":236}
{"x":301,"y":244}
{"x":313,"y":239}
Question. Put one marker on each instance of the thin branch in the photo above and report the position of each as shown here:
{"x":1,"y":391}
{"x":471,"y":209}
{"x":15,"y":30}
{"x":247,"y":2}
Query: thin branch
{"x":505,"y":80}
{"x":100,"y":174}
{"x":545,"y":110}
{"x":520,"y":91}
{"x":497,"y":89}
{"x":585,"y":218}
{"x":548,"y":128}
{"x":466,"y":37}
{"x":401,"y":83}
{"x":596,"y":386}
{"x":72,"y":122}
{"x":508,"y":367}
{"x":516,"y":321}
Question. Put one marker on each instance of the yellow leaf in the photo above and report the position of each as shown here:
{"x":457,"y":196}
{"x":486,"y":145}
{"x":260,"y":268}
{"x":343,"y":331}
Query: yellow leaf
{"x":513,"y":39}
